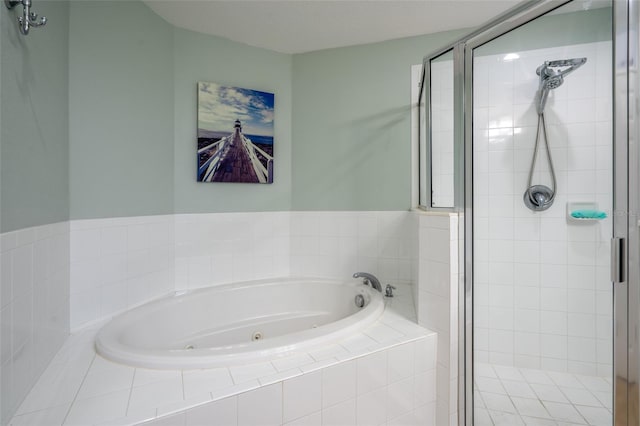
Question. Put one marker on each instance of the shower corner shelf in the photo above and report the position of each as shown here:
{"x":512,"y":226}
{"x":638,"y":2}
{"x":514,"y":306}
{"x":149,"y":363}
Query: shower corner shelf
{"x":591,"y":206}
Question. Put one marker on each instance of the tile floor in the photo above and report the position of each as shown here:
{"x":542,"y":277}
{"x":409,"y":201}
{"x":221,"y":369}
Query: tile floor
{"x":512,"y":396}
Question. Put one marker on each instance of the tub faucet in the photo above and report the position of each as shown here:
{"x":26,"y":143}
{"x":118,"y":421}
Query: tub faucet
{"x":369,"y":279}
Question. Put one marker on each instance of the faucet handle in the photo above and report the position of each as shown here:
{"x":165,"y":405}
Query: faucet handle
{"x":388,"y":291}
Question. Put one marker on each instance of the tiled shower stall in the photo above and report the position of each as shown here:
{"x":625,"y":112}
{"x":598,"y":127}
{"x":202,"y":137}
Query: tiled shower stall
{"x":541,"y":279}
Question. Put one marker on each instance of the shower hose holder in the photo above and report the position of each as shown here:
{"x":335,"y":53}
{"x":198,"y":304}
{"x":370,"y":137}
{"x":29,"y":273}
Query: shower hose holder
{"x":29,"y":18}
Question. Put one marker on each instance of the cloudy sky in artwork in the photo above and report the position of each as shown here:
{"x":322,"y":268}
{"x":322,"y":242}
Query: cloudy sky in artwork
{"x":220,"y":106}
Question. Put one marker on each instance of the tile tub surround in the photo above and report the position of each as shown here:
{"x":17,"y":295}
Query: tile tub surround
{"x":219,"y":248}
{"x":543,"y":297}
{"x":34,"y":314}
{"x":107,"y":266}
{"x":142,"y":258}
{"x":384,"y":375}
{"x":337,"y":244}
{"x":119,"y":263}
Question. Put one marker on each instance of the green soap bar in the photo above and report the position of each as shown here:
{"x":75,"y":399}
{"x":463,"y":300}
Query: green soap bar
{"x":588,"y":214}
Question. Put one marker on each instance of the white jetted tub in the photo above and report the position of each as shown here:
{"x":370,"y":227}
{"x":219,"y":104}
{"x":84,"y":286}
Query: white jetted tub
{"x":239,"y":323}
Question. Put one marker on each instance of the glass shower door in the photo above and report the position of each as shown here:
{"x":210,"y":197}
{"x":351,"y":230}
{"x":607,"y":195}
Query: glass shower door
{"x":541,"y":205}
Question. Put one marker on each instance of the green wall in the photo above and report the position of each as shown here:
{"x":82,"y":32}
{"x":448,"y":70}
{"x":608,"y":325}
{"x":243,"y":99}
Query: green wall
{"x":129,"y":81}
{"x":34,"y":154}
{"x":121,"y":110}
{"x":133,"y":114}
{"x":199,"y":57}
{"x":559,"y":29}
{"x":348,"y":150}
{"x":351,"y":115}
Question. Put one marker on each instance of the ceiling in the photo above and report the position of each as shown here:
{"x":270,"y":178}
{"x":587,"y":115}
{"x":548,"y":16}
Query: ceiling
{"x":298,"y":26}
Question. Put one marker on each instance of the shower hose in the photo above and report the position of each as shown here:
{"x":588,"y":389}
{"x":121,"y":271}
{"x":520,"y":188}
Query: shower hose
{"x":541,"y":123}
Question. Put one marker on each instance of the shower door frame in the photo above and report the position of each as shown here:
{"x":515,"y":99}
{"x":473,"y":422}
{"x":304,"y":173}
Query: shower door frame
{"x":626,"y":24}
{"x":626,"y":202}
{"x":426,"y":88}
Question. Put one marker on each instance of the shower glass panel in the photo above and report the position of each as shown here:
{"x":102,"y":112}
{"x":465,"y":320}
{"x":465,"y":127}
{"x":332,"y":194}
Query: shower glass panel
{"x":542,"y":201}
{"x":441,"y":135}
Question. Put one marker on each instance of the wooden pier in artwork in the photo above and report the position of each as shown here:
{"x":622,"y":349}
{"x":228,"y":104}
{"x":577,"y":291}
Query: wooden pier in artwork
{"x":236,"y":159}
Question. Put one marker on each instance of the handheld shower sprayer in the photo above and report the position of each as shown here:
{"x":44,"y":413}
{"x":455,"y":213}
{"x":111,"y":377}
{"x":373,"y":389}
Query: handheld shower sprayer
{"x":552,"y":73}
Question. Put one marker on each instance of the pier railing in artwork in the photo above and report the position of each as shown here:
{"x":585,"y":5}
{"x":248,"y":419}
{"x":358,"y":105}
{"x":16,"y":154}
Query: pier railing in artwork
{"x":211,"y":165}
{"x":264,"y":174}
{"x":225,"y":147}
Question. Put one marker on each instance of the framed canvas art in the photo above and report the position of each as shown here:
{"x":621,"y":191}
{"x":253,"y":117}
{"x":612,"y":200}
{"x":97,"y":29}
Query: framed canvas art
{"x":235,"y":134}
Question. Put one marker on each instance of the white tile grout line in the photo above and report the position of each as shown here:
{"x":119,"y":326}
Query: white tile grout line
{"x":182,"y":379}
{"x":133,"y":380}
{"x":86,"y":373}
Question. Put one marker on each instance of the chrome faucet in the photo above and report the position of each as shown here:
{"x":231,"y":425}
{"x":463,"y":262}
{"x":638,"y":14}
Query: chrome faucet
{"x":369,"y":279}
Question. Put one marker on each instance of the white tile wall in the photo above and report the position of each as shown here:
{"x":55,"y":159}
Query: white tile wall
{"x":118,"y":263}
{"x":368,"y":390}
{"x":34,"y":302}
{"x":337,"y":244}
{"x":438,"y":301}
{"x":543,"y":297}
{"x":219,"y":248}
{"x":141,"y":258}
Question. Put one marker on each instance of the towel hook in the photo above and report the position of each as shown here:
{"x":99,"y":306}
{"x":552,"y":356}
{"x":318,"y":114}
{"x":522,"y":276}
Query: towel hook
{"x":28,"y":19}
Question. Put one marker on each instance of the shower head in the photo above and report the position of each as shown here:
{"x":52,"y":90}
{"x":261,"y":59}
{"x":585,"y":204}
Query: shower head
{"x":552,"y":75}
{"x":553,"y":82}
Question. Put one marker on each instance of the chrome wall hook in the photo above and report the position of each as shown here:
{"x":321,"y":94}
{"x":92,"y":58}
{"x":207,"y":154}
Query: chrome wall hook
{"x":28,"y":19}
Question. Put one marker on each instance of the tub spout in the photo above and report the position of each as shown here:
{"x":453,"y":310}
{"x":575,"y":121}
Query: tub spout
{"x":369,"y":279}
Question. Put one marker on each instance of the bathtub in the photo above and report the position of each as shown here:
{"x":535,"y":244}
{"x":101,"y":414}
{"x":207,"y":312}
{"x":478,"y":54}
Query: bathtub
{"x":238,"y":323}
